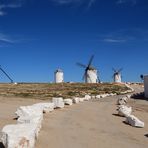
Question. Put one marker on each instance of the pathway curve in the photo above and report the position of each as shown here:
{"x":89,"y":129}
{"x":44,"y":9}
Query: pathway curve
{"x":91,"y":124}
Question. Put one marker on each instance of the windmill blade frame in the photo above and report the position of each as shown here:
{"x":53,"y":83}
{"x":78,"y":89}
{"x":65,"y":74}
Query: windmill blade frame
{"x":81,"y":65}
{"x":120,"y":69}
{"x":114,"y":69}
{"x":90,"y":61}
{"x":84,"y":76}
{"x":6,"y":74}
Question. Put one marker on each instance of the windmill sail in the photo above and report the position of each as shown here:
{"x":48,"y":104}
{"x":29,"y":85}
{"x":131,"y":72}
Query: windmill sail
{"x":6,"y":74}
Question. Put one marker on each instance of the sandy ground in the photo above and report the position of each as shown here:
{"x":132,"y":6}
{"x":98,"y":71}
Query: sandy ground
{"x":90,"y":124}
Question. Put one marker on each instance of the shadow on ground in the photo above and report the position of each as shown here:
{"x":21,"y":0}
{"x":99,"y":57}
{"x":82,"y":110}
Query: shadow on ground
{"x":139,"y":96}
{"x":146,"y":135}
{"x":126,"y":123}
{"x":117,"y":115}
{"x":1,"y":145}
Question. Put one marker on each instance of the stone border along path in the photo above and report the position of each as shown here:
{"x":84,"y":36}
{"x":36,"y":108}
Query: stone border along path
{"x":125,"y":111}
{"x":29,"y":120}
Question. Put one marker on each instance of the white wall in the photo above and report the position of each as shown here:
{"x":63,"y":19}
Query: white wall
{"x":146,"y":86}
{"x":59,"y":77}
{"x":91,"y":76}
{"x":117,"y":78}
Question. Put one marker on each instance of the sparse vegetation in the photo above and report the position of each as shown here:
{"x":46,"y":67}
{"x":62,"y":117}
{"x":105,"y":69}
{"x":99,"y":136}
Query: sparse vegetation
{"x":65,"y":90}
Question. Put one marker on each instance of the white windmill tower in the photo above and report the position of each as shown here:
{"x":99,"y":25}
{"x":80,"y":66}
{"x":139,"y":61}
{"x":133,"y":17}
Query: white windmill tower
{"x":117,"y":75}
{"x":59,"y":76}
{"x":90,"y":75}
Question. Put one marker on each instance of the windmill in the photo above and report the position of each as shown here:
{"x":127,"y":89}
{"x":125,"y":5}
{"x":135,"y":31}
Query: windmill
{"x":59,"y":76}
{"x":6,"y":74}
{"x":117,"y":75}
{"x":90,"y":74}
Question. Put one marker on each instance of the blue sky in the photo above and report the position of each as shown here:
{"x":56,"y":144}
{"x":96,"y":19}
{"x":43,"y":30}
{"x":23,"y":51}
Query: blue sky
{"x":37,"y":37}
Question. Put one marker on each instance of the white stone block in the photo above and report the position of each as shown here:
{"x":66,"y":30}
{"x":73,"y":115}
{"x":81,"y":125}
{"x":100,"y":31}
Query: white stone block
{"x":81,"y":99}
{"x":103,"y":95}
{"x":58,"y":102}
{"x":35,"y":120}
{"x":76,"y":100}
{"x":134,"y":121}
{"x":18,"y":136}
{"x":125,"y":98}
{"x":112,"y":94}
{"x":107,"y":95}
{"x":28,"y":111}
{"x":128,"y":96}
{"x":68,"y":101}
{"x":98,"y":96}
{"x":123,"y":92}
{"x":124,"y":111}
{"x":122,"y":100}
{"x":93,"y":97}
{"x":46,"y":107}
{"x":87,"y":97}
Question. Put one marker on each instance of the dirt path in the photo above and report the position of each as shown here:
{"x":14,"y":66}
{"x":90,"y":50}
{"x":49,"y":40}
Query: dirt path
{"x":91,"y":124}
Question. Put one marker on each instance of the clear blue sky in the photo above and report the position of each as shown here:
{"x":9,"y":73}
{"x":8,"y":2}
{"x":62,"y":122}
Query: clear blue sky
{"x":39,"y":36}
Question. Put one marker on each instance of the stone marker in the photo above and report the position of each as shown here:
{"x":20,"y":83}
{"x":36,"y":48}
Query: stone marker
{"x":58,"y":102}
{"x":36,"y":120}
{"x":134,"y":121}
{"x":46,"y":107}
{"x":19,"y":136}
{"x":76,"y":100}
{"x":68,"y":101}
{"x":124,"y":111}
{"x":87,"y":97}
{"x":29,"y":111}
{"x":81,"y":99}
{"x":122,"y":100}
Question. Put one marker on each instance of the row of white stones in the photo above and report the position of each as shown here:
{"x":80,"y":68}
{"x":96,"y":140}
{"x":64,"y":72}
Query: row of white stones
{"x":126,"y":111}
